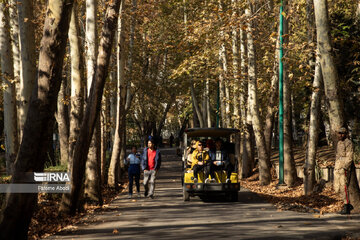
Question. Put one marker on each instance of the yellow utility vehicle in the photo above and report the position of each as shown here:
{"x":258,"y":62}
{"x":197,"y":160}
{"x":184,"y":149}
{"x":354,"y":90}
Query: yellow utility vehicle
{"x":231,"y":143}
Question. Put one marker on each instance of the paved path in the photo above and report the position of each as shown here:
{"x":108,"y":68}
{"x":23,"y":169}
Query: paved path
{"x":168,"y":217}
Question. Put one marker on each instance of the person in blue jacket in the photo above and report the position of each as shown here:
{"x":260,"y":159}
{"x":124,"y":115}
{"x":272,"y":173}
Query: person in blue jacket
{"x":220,"y":160}
{"x":150,"y":164}
{"x":134,"y":170}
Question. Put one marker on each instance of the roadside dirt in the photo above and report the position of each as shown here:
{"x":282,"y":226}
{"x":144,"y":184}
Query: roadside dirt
{"x":292,"y":198}
{"x":46,"y":220}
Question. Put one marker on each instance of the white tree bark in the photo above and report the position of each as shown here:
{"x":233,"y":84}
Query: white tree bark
{"x":113,"y":102}
{"x":9,"y":94}
{"x":113,"y":176}
{"x":264,"y":161}
{"x":310,"y":159}
{"x":208,"y":113}
{"x":62,"y":118}
{"x":246,"y":147}
{"x":273,"y":100}
{"x":289,"y":164}
{"x":77,"y":80}
{"x":77,"y":91}
{"x":28,"y":54}
{"x":235,"y":51}
{"x":91,"y":40}
{"x":14,"y":28}
{"x":328,"y":67}
{"x":93,"y":168}
{"x":224,"y":83}
{"x":196,"y":105}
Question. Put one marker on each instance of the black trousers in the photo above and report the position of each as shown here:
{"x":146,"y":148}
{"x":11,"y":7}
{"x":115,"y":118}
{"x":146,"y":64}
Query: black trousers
{"x":228,"y":167}
{"x":205,"y":168}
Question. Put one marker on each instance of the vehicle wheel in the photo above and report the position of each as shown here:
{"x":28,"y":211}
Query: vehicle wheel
{"x":186,"y":196}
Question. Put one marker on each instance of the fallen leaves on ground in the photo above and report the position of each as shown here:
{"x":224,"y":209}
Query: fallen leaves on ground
{"x":46,"y":220}
{"x":292,"y":198}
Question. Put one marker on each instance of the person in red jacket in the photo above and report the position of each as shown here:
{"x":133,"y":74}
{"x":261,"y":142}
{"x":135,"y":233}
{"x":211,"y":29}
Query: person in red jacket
{"x":150,"y":163}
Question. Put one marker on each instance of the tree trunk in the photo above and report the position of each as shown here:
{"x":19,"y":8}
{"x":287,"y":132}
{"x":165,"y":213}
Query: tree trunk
{"x":77,"y":80}
{"x":204,"y":102}
{"x":196,"y":105}
{"x":93,"y":166}
{"x":264,"y":160}
{"x":91,"y":40}
{"x":113,"y":102}
{"x":289,"y":163}
{"x":226,"y":117}
{"x":222,"y":94}
{"x":247,"y":146}
{"x":207,"y":92}
{"x":329,"y":73}
{"x":92,"y":183}
{"x":114,"y":168}
{"x":328,"y":67}
{"x":14,"y":25}
{"x":105,"y":137}
{"x":62,"y":118}
{"x":235,"y":52}
{"x":77,"y":91}
{"x":310,"y":159}
{"x":272,"y":105}
{"x":9,"y":93}
{"x":28,"y":53}
{"x":166,"y":110}
{"x":16,"y":215}
{"x":354,"y":189}
{"x":93,"y":108}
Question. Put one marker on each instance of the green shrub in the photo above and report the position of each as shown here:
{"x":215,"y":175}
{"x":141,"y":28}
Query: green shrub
{"x":57,"y":168}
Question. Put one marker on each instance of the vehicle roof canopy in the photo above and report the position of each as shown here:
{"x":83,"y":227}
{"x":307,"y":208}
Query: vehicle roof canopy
{"x":211,"y":132}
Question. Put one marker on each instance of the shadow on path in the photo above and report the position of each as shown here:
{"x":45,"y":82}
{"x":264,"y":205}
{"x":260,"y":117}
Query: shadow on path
{"x":168,"y":217}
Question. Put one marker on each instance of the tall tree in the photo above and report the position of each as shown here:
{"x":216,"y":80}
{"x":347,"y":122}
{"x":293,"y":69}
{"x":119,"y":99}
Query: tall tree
{"x":28,"y":53}
{"x":77,"y":80}
{"x":328,"y":68}
{"x":113,"y":176}
{"x":93,"y":168}
{"x":315,"y":111}
{"x":62,"y":118}
{"x":14,"y":27}
{"x":77,"y":90}
{"x":272,"y":103}
{"x":235,"y":52}
{"x":246,"y":145}
{"x":196,"y":104}
{"x":93,"y":107}
{"x":9,"y":93}
{"x":264,"y":160}
{"x":17,"y":212}
{"x":289,"y":164}
{"x":329,"y":73}
{"x":223,"y":81}
{"x":310,"y":158}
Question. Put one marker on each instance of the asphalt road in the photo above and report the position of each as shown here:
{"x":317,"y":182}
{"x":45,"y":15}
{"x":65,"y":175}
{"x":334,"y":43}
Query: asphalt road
{"x":168,"y":217}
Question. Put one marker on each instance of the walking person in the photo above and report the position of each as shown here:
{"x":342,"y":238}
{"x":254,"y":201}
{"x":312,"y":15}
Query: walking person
{"x":134,"y":170}
{"x":171,"y":140}
{"x":343,"y":164}
{"x":150,"y":164}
